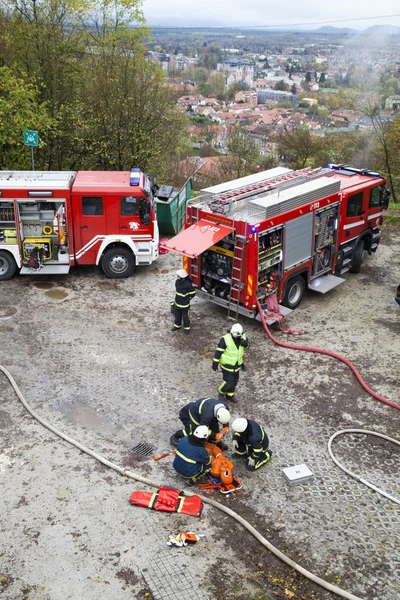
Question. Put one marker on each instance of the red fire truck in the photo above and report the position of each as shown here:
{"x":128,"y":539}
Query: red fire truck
{"x":50,"y":221}
{"x":280,"y":231}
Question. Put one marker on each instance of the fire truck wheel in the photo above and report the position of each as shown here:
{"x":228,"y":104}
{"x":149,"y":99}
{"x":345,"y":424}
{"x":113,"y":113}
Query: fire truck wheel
{"x":294,"y":292}
{"x":358,"y":258}
{"x":7,"y":265}
{"x":118,"y":263}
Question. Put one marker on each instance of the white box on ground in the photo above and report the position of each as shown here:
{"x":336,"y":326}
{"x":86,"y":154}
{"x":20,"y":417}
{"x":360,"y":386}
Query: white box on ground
{"x":297,"y":474}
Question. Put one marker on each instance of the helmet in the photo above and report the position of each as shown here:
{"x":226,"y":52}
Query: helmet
{"x":239,"y":425}
{"x":201,"y":432}
{"x":223,"y":415}
{"x":236,"y":330}
{"x":182,"y":273}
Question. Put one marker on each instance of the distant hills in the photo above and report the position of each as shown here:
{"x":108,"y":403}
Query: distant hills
{"x":373,"y":30}
{"x":172,"y":22}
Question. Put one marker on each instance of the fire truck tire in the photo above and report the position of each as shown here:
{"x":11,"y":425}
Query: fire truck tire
{"x":294,"y":292}
{"x":8,"y":265}
{"x":358,"y":258}
{"x":118,"y":263}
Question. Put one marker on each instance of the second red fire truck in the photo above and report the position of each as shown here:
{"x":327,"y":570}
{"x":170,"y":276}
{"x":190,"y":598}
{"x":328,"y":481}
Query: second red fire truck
{"x":280,"y":232}
{"x":50,"y":221}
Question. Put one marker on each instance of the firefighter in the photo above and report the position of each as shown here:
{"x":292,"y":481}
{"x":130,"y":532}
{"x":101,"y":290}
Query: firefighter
{"x":192,"y":460}
{"x":183,"y":295}
{"x":250,"y":440}
{"x":229,"y":355}
{"x":206,"y":411}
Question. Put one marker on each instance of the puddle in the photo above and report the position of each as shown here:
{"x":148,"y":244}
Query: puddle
{"x":165,"y":271}
{"x":43,"y":285}
{"x":57,"y":294}
{"x":155,"y":270}
{"x":6,"y":312}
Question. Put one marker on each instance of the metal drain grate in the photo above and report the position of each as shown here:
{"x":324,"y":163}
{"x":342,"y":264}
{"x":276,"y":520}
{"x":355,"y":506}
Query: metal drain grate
{"x":143,"y":449}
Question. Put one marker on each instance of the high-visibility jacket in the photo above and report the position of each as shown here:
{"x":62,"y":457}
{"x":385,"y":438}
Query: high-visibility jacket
{"x":255,"y":437}
{"x":191,"y":458}
{"x":184,"y":292}
{"x":229,"y":352}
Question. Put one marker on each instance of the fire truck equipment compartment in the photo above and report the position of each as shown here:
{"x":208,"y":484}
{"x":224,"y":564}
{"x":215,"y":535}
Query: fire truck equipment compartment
{"x":197,"y":238}
{"x":42,"y":243}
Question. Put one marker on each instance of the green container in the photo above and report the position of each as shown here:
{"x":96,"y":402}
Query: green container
{"x":171,"y":212}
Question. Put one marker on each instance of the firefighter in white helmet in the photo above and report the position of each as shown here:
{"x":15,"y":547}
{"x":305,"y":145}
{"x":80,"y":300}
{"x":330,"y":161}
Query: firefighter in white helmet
{"x":206,"y":411}
{"x":229,"y":356}
{"x":180,"y":307}
{"x":251,"y":441}
{"x":192,"y":460}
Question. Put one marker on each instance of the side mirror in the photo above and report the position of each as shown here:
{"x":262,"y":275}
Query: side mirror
{"x":386,"y":196}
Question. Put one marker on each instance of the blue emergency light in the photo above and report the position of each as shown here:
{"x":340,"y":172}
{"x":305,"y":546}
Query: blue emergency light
{"x":254,"y":228}
{"x":135,"y":177}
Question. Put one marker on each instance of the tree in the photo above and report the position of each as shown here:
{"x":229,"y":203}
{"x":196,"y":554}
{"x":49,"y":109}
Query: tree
{"x":293,"y":89}
{"x":238,"y":86}
{"x":296,"y":147}
{"x":200,"y":74}
{"x":308,"y":77}
{"x":242,"y":157}
{"x":322,"y":78}
{"x":281,"y":85}
{"x":20,"y":110}
{"x":217,"y":81}
{"x":369,"y":104}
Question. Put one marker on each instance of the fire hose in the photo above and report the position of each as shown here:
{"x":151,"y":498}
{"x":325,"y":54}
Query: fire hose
{"x":328,"y":353}
{"x":314,"y":578}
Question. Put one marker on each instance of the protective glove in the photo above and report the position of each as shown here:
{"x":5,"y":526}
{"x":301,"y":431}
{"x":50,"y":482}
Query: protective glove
{"x":251,"y":462}
{"x":244,"y":368}
{"x":225,"y":430}
{"x":215,"y":366}
{"x":235,"y":445}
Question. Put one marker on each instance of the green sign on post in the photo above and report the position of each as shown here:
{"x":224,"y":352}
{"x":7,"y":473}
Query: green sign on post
{"x":31,"y":138}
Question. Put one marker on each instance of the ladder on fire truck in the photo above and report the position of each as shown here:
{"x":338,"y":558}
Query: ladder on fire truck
{"x":237,"y":284}
{"x":221,"y":203}
{"x":195,"y":274}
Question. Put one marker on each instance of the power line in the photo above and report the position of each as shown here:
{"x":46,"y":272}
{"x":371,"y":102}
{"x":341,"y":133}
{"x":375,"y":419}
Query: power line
{"x":271,"y":26}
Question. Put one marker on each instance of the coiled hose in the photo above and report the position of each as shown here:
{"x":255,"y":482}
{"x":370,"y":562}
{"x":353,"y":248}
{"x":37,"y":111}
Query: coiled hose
{"x":328,"y":353}
{"x":150,"y":482}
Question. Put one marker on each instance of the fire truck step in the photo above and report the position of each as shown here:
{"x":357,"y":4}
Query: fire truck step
{"x":325,"y":283}
{"x":346,"y":261}
{"x":284,"y":310}
{"x":344,"y":270}
{"x":46,"y":270}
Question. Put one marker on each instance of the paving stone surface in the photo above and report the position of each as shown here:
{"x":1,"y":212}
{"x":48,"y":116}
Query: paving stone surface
{"x":101,"y":365}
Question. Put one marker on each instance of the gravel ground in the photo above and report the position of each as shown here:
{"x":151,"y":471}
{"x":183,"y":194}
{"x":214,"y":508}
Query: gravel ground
{"x":96,"y":359}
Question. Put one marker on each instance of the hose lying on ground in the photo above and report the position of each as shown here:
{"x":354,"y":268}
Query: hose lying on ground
{"x":328,"y":353}
{"x":225,"y":509}
{"x":356,"y":477}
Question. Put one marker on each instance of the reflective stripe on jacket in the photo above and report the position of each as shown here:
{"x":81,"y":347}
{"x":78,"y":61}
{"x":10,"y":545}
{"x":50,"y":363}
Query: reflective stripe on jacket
{"x":184,"y":292}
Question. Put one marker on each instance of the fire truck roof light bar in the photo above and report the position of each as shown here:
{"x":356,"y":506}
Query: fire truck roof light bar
{"x":352,"y":170}
{"x":135,"y":177}
{"x":35,"y":194}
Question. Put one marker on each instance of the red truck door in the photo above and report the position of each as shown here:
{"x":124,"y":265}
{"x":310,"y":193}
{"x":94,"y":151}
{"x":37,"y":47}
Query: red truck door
{"x":90,"y":227}
{"x":355,"y":217}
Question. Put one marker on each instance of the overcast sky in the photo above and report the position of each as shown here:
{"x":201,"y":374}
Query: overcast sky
{"x":272,"y":12}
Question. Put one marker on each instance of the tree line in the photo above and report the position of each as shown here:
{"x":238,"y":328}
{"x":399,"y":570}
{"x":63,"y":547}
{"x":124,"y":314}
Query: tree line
{"x":75,"y":71}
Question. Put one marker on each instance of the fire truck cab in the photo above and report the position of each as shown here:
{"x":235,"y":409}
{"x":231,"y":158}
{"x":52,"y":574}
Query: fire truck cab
{"x":280,"y":232}
{"x":50,"y":221}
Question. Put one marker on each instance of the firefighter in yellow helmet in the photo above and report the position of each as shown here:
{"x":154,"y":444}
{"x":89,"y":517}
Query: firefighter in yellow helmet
{"x":229,"y":356}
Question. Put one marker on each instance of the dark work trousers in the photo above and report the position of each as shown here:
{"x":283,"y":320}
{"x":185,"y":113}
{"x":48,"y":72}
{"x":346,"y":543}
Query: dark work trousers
{"x":188,"y":425}
{"x":247,"y":451}
{"x":229,"y":383}
{"x":182,"y":314}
